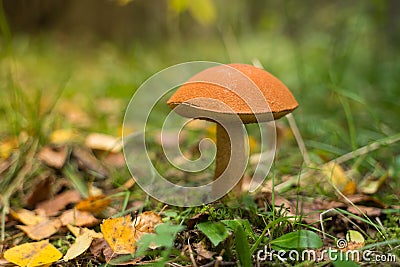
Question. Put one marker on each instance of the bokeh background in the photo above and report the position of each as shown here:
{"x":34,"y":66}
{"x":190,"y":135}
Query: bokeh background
{"x":340,"y":58}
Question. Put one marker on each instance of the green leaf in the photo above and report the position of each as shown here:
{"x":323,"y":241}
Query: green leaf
{"x":233,"y":224}
{"x":242,"y":247}
{"x":297,"y":240}
{"x":164,"y":237}
{"x":215,"y":231}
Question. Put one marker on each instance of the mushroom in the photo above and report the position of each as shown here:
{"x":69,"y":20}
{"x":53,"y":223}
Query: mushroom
{"x":232,"y":95}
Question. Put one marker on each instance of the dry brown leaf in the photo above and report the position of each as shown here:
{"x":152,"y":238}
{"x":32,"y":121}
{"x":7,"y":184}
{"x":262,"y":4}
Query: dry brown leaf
{"x":366,"y":201}
{"x":51,"y":207}
{"x":54,"y":157}
{"x":41,"y":190}
{"x":104,"y":142}
{"x":202,"y":252}
{"x":145,"y":223}
{"x":42,"y":230}
{"x":33,"y":254}
{"x":73,"y":113}
{"x":28,"y":217}
{"x":87,"y":161}
{"x":369,"y":211}
{"x":116,"y":160}
{"x":94,"y":204}
{"x":78,"y":218}
{"x":119,"y":234}
{"x":97,"y":248}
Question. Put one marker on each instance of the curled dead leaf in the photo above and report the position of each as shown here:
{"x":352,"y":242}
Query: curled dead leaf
{"x":145,"y":223}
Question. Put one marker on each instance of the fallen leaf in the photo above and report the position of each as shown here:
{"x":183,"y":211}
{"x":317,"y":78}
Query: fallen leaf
{"x":119,"y":234}
{"x":94,"y":204}
{"x":366,"y":201}
{"x":371,"y":184}
{"x":77,"y":231}
{"x":41,"y":190}
{"x":335,"y":173}
{"x":369,"y":211}
{"x":53,"y":206}
{"x":97,"y":248}
{"x":84,"y":238}
{"x":72,"y":111}
{"x":27,"y":217}
{"x":33,"y":254}
{"x":355,"y":240}
{"x":54,"y":157}
{"x":78,"y":218}
{"x":145,"y":223}
{"x":97,"y":141}
{"x":202,"y":252}
{"x":81,"y":244}
{"x":116,"y":160}
{"x":87,"y":161}
{"x":41,"y":230}
{"x":63,"y":136}
{"x":7,"y":146}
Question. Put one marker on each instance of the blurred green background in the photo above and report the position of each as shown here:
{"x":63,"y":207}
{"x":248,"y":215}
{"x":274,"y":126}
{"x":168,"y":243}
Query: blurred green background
{"x":339,"y":58}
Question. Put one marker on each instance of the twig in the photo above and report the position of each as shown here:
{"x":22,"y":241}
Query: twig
{"x":368,"y":148}
{"x":194,"y":264}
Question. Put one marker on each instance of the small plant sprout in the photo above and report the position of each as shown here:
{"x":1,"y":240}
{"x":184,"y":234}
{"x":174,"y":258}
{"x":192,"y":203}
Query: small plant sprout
{"x":232,"y":95}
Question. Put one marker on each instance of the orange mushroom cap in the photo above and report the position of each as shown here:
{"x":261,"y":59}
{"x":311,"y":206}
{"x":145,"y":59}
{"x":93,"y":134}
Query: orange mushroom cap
{"x":225,"y":91}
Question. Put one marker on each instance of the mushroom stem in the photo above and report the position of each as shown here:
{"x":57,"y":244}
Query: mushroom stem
{"x":225,"y":153}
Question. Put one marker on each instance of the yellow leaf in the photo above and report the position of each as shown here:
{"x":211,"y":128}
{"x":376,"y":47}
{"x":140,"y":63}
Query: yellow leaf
{"x":33,"y":254}
{"x":27,"y":217}
{"x":63,"y":136}
{"x":8,"y":146}
{"x":94,"y":204}
{"x":335,"y":173}
{"x":119,"y":234}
